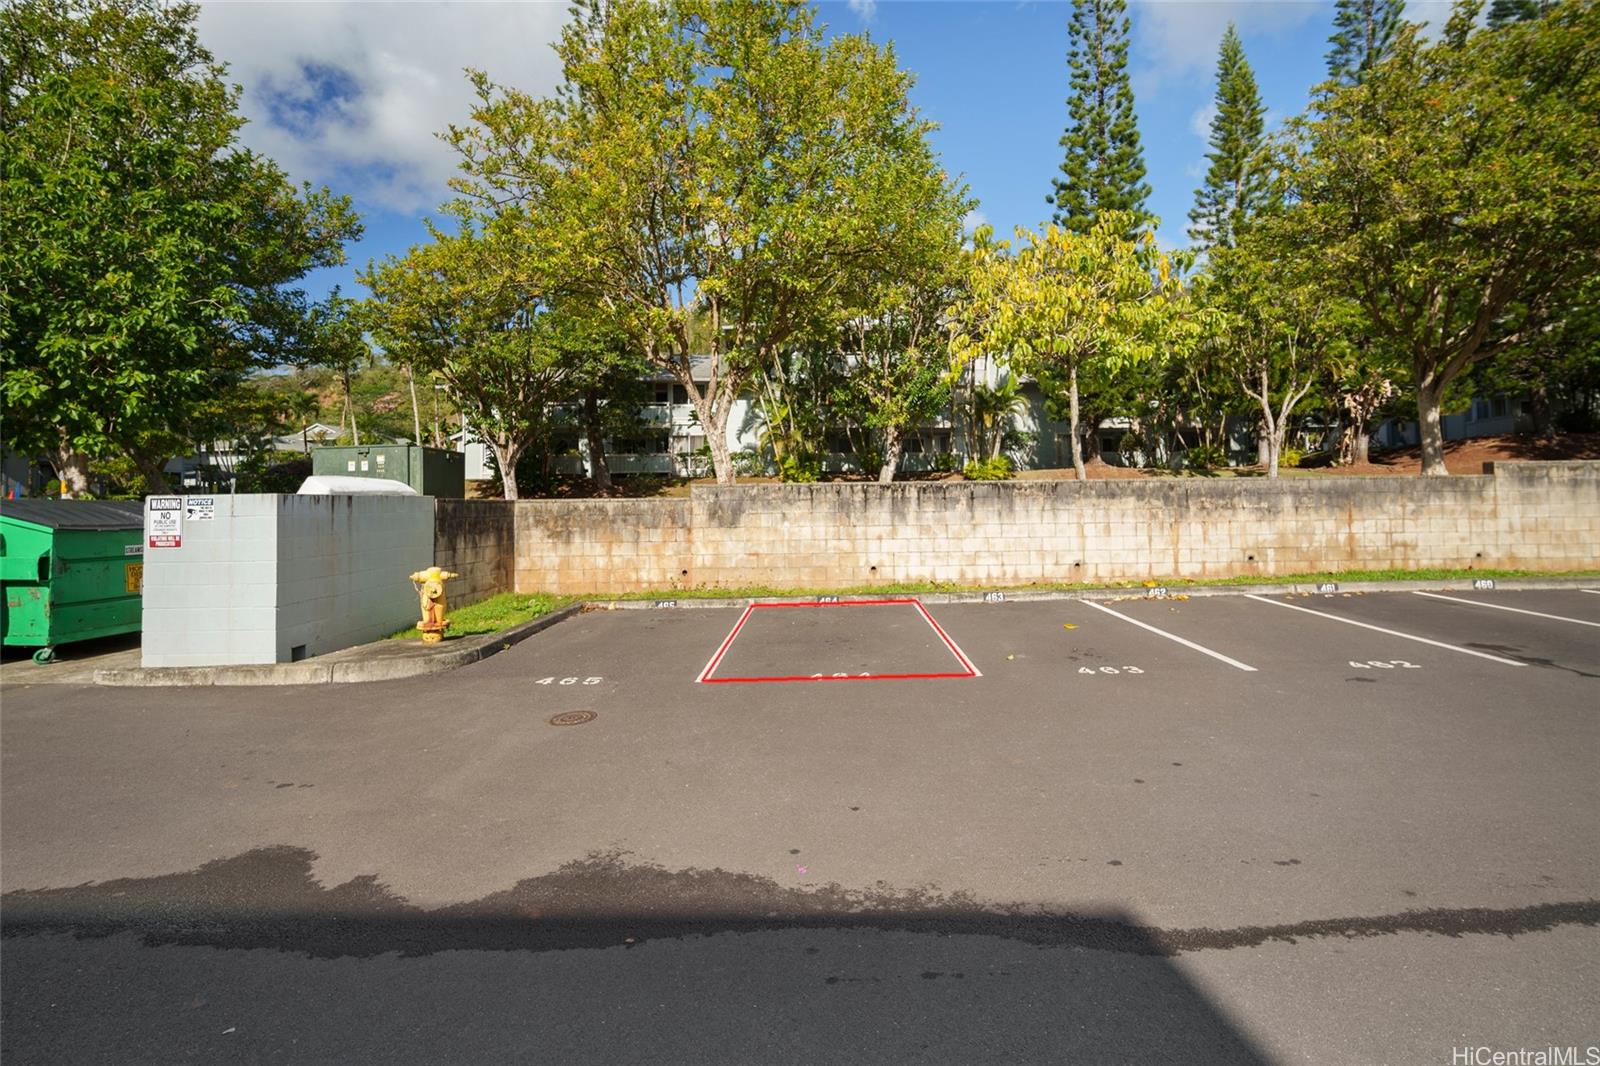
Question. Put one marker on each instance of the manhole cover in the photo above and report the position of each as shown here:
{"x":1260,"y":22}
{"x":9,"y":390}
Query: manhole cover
{"x":573,"y":718}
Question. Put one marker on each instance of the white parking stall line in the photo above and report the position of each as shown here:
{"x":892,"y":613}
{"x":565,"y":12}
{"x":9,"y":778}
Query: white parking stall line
{"x":1503,"y":607}
{"x":1173,"y":637}
{"x":1592,"y":592}
{"x":1390,"y":632}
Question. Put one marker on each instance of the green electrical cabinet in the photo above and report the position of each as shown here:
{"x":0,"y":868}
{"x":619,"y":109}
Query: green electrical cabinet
{"x":431,"y":471}
{"x":71,"y":570}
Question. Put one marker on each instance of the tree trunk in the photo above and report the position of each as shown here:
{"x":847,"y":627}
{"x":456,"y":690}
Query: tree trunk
{"x":1539,"y":410}
{"x":1360,"y":444}
{"x":598,"y":470}
{"x":1429,"y":397}
{"x":506,"y":456}
{"x":350,"y":405}
{"x":893,"y":444}
{"x":1263,"y":444}
{"x":717,"y":440}
{"x":72,"y":470}
{"x":155,"y":478}
{"x":1077,"y":441}
{"x":416,"y":412}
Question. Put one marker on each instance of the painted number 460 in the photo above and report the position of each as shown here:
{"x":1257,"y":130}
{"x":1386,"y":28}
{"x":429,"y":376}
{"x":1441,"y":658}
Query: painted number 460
{"x":1382,"y":664}
{"x":568,"y":680}
{"x":1109,"y":670}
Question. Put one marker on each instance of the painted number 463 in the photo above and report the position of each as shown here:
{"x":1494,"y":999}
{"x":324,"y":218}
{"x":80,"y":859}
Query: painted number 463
{"x":568,"y":680}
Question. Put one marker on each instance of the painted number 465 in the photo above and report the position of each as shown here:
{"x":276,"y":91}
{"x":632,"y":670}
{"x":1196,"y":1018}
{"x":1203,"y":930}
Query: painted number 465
{"x":568,"y":680}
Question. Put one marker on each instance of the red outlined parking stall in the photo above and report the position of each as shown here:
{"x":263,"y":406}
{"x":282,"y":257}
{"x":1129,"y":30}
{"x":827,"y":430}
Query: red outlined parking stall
{"x":873,"y":647}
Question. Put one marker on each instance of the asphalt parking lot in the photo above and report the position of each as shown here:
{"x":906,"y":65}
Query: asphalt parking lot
{"x":1345,"y":828}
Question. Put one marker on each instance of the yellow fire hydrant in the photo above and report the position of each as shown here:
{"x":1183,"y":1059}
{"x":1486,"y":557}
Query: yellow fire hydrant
{"x":429,"y":584}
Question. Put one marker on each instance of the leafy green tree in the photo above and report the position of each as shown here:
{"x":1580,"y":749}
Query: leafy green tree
{"x":456,"y":307}
{"x":334,"y":337}
{"x":1452,"y":195}
{"x":145,"y":257}
{"x":895,"y":340}
{"x":1363,"y":36}
{"x":707,"y":164}
{"x":1103,"y":169}
{"x":1069,"y":305}
{"x":1236,"y":185}
{"x":1276,"y":336}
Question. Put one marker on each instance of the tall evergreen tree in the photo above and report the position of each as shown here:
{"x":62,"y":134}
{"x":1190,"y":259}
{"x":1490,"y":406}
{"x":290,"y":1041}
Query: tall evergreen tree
{"x":1236,"y":183}
{"x":1363,"y":36}
{"x":1104,"y":165}
{"x":1505,"y":12}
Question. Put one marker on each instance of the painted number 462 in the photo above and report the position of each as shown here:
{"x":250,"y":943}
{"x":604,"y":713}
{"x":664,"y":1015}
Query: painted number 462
{"x":568,"y":680}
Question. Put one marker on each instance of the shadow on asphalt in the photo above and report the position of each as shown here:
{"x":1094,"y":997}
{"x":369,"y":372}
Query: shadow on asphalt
{"x":607,"y":960}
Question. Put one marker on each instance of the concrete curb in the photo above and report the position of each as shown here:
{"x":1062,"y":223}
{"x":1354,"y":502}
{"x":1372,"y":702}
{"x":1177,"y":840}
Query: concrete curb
{"x":358,"y":665}
{"x":349,"y":666}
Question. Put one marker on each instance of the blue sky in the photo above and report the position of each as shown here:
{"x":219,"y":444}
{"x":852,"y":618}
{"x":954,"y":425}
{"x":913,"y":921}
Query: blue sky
{"x":351,"y":94}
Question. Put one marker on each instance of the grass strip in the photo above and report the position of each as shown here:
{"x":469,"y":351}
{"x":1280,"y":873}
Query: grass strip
{"x":494,"y":614}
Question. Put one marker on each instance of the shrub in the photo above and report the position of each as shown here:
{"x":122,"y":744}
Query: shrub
{"x":748,"y":463}
{"x":1291,"y":456}
{"x":800,"y":469}
{"x":996,"y":469}
{"x":944,"y":462}
{"x":1205,"y":457}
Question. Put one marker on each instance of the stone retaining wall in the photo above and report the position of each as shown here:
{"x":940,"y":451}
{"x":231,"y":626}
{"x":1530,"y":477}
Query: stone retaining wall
{"x":1535,"y":516}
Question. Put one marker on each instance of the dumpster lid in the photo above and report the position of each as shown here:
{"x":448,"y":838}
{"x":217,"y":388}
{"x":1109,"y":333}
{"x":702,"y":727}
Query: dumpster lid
{"x":76,"y":514}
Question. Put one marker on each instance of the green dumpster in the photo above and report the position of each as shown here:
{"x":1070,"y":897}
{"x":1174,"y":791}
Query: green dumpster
{"x":71,"y":570}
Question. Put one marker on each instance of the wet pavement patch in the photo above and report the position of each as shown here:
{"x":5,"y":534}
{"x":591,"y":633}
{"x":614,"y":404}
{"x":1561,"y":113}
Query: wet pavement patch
{"x":268,"y":899}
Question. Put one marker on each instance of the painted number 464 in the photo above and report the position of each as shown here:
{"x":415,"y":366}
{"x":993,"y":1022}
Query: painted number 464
{"x":568,"y":680}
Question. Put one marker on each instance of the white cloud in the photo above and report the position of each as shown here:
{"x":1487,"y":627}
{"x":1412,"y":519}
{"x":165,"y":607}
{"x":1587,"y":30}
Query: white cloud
{"x":1200,"y":121}
{"x":1177,"y":39}
{"x":973,"y":219}
{"x":865,"y":9}
{"x":353,"y":94}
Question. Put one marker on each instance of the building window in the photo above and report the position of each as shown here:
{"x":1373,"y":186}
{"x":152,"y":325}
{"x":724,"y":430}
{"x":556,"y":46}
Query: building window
{"x":663,"y":392}
{"x":680,"y":394}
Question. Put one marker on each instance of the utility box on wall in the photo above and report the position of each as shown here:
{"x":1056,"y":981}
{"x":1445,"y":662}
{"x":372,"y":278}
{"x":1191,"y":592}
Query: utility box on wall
{"x":431,"y":471}
{"x":233,"y":580}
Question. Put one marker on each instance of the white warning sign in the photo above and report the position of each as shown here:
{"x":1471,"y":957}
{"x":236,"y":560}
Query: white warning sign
{"x":199,"y":508}
{"x":163,"y":522}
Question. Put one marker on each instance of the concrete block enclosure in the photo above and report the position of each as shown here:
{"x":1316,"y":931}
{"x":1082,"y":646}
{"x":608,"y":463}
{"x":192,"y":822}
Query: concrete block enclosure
{"x":270,"y":578}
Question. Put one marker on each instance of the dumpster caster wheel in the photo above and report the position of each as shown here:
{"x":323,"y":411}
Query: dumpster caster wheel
{"x":44,"y":656}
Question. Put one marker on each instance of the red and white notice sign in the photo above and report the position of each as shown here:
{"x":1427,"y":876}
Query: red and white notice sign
{"x":163,"y":522}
